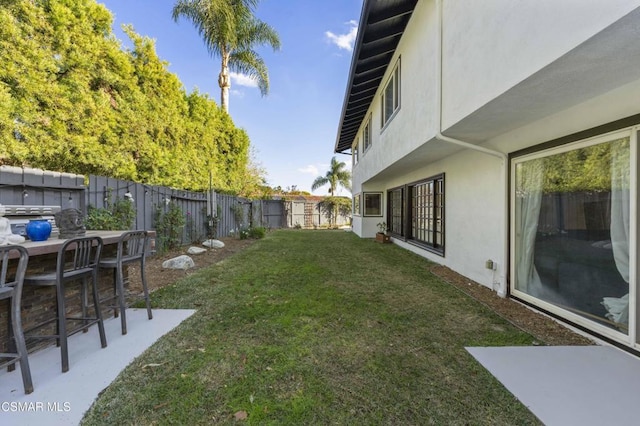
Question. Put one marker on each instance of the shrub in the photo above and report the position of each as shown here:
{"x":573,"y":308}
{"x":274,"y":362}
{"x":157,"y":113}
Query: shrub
{"x":115,"y":216}
{"x":257,"y":232}
{"x":169,"y":227}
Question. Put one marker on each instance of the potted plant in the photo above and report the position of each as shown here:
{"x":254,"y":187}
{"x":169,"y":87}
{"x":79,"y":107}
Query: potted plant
{"x":381,"y":235}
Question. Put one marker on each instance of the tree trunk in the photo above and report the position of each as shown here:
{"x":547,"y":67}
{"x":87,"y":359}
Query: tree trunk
{"x":224,"y":82}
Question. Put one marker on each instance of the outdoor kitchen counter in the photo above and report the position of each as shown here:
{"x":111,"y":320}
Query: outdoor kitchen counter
{"x":39,"y":303}
{"x":52,"y":245}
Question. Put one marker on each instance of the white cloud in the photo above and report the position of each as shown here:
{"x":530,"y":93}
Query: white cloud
{"x":243,"y":80}
{"x":344,"y":41}
{"x":310,"y":169}
{"x":236,"y":93}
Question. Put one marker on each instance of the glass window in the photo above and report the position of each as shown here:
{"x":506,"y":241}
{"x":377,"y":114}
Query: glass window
{"x":395,"y":211}
{"x":427,"y":212}
{"x":373,"y":204}
{"x":355,"y":152}
{"x":570,"y":227}
{"x":391,"y":96}
{"x":366,"y":135}
{"x":356,"y":205}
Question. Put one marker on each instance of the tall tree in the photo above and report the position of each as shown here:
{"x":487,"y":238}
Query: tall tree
{"x":230,"y":31}
{"x":336,"y":175}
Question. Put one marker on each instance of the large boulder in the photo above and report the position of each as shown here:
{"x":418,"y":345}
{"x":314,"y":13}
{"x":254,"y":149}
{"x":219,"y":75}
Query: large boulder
{"x":180,"y":262}
{"x":213,"y":244}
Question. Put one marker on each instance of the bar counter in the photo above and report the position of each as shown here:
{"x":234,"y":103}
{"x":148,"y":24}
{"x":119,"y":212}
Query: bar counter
{"x":39,"y":303}
{"x":52,"y":245}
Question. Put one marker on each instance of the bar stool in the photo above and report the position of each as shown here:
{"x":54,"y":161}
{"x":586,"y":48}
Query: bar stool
{"x":132,"y":247}
{"x":12,"y":290}
{"x":77,"y":261}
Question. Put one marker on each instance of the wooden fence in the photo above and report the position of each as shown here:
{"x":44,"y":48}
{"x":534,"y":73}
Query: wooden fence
{"x":25,"y":186}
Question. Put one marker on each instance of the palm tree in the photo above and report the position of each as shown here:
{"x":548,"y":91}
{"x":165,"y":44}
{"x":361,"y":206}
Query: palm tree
{"x":231,"y":31}
{"x":336,"y":175}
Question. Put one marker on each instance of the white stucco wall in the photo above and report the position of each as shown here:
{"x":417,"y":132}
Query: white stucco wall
{"x":495,"y":46}
{"x":415,"y":123}
{"x":490,"y":46}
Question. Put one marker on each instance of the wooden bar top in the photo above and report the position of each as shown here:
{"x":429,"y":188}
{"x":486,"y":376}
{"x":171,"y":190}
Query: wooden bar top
{"x":52,"y":245}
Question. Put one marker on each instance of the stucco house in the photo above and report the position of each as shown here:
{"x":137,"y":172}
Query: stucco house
{"x":499,"y":138}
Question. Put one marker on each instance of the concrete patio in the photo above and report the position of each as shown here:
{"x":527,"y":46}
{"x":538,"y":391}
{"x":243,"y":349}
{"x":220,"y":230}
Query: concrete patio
{"x":568,"y":385}
{"x":62,"y":399}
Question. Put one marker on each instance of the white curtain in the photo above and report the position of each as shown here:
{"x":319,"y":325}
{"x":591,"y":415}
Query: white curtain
{"x":618,"y":308}
{"x":529,"y":180}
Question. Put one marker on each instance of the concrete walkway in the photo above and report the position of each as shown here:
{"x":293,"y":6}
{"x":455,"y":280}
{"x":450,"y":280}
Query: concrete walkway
{"x":569,"y":385}
{"x":62,"y":399}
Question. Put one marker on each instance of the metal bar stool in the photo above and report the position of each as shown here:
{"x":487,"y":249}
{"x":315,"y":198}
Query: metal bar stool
{"x":77,"y":261}
{"x":12,"y":290}
{"x":132,"y":247}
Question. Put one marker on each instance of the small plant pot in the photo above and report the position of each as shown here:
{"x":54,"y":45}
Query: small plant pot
{"x":382,"y":238}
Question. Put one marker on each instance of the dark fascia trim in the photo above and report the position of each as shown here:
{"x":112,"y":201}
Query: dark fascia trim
{"x":364,"y":17}
{"x":340,"y":145}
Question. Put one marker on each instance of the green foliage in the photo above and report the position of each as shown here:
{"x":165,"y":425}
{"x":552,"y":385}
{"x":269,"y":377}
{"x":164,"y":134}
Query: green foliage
{"x":257,"y":232}
{"x":169,"y":226}
{"x":585,"y":169}
{"x":238,"y":214}
{"x":231,"y":32}
{"x":211,"y":222}
{"x":72,"y":100}
{"x":333,"y":207}
{"x":117,"y":215}
{"x":336,"y":175}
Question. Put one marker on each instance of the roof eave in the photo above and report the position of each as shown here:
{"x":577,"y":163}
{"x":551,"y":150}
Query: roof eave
{"x":378,"y":36}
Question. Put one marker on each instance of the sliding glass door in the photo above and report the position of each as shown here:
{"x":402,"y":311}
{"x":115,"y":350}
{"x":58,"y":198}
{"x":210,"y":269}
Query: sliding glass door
{"x":571,"y":236}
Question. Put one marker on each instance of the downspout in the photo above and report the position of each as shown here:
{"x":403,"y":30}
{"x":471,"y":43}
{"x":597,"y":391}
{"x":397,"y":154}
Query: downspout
{"x":502,"y":288}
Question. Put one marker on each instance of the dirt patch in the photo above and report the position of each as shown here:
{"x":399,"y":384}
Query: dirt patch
{"x":541,"y":326}
{"x":158,"y":277}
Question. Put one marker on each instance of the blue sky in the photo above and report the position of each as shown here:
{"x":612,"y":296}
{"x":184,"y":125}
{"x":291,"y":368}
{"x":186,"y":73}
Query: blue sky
{"x":292,"y":129}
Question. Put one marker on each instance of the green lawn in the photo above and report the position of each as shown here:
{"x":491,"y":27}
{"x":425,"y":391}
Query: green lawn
{"x":317,"y":327}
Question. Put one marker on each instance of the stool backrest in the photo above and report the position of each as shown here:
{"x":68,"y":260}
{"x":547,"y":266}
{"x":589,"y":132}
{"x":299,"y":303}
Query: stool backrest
{"x":23,"y":258}
{"x":83,"y":253}
{"x":133,"y":244}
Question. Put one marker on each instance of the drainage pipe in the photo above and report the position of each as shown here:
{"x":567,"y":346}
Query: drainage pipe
{"x":502,"y":267}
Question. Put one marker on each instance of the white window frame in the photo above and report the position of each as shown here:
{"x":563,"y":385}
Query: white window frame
{"x":393,"y":84}
{"x":357,"y":204}
{"x":366,"y":136}
{"x":355,"y":150}
{"x":630,"y":339}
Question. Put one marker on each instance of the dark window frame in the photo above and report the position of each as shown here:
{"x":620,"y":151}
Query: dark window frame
{"x":434,"y":208}
{"x":396,"y":213}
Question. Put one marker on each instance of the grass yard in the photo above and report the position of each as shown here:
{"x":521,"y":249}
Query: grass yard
{"x":317,"y":327}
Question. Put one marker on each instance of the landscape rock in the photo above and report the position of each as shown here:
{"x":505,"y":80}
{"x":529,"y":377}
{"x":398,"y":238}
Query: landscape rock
{"x":213,"y":244}
{"x":180,"y":262}
{"x":196,"y":250}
